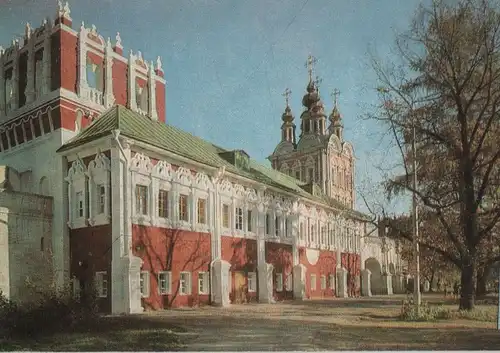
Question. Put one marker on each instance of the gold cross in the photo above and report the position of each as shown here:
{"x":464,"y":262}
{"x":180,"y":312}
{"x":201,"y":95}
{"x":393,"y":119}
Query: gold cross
{"x":311,"y":60}
{"x":286,"y":94}
{"x":335,"y":94}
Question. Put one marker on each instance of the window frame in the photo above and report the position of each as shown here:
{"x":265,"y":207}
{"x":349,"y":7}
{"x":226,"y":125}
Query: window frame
{"x":322,"y":280}
{"x":279,"y":281}
{"x":252,"y":279}
{"x":226,"y":221}
{"x":101,"y":280}
{"x":144,"y":283}
{"x":186,"y":207}
{"x":139,"y":207}
{"x":289,"y":282}
{"x":163,"y":203}
{"x":313,"y":285}
{"x":167,"y":280}
{"x":204,"y":287}
{"x":238,"y":218}
{"x":201,"y":211}
{"x":188,"y":284}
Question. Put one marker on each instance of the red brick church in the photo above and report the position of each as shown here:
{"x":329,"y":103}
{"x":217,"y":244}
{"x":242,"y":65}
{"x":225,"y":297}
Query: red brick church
{"x":101,"y":192}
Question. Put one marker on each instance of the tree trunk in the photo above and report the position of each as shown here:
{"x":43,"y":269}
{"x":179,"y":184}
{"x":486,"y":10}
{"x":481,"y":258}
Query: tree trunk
{"x":467,"y":290}
{"x":482,"y":278}
{"x":433,"y":273}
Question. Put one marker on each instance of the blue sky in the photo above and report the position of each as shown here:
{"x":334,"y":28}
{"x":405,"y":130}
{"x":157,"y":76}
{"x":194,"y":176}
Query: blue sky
{"x":228,"y":62}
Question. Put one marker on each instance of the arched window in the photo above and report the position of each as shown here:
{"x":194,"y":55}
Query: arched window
{"x":142,"y":96}
{"x":94,"y":75}
{"x":44,"y":188}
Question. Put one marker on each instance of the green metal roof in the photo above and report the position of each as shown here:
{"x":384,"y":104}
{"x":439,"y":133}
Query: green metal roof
{"x":156,"y":133}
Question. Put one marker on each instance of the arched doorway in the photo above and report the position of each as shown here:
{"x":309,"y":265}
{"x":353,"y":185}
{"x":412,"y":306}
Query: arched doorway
{"x":376,"y":284}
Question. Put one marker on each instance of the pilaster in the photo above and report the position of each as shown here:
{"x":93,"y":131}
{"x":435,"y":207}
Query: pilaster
{"x":30,"y":83}
{"x":46,"y":87}
{"x":82,"y":62}
{"x":15,"y":77}
{"x":2,"y":85}
{"x":152,"y":93}
{"x":132,"y":103}
{"x":109,"y":98}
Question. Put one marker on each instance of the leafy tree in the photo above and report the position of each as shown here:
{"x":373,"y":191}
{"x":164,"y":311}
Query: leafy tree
{"x":444,"y":96}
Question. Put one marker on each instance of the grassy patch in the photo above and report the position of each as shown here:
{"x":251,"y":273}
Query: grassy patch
{"x":428,"y":312}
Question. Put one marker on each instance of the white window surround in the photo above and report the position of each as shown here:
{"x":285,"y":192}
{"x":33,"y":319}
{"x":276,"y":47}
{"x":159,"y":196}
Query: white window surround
{"x":185,"y":283}
{"x":99,"y":175}
{"x":252,"y":282}
{"x":323,"y":282}
{"x":203,"y":283}
{"x":279,"y":282}
{"x":313,"y":281}
{"x":77,"y":183}
{"x":101,"y":281}
{"x":202,"y":194}
{"x":332,"y":281}
{"x":164,"y":283}
{"x":141,"y":167}
{"x":144,"y":284}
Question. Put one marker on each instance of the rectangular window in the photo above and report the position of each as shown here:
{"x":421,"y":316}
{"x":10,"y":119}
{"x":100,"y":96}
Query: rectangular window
{"x":332,"y":281}
{"x":9,"y":90}
{"x":80,"y":203}
{"x":203,"y":279}
{"x":249,"y":221}
{"x":183,"y":208}
{"x":277,"y":226}
{"x":313,"y":282}
{"x":163,"y":204}
{"x":239,"y":218}
{"x":252,"y":282}
{"x":202,"y":211}
{"x":141,"y":199}
{"x":144,"y":284}
{"x":185,"y":283}
{"x":287,"y":227}
{"x":279,"y":282}
{"x":323,"y":282}
{"x":288,"y":282}
{"x":311,"y":175}
{"x":225,"y":216}
{"x":297,"y":174}
{"x":102,"y":284}
{"x":164,"y":281}
{"x":268,"y":224}
{"x":102,"y":198}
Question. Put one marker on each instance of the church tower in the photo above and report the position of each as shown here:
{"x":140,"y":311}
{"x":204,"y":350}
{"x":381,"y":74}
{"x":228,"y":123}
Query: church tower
{"x":321,"y":156}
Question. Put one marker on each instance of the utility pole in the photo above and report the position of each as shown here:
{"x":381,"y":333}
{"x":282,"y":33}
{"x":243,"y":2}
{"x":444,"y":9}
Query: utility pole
{"x":417,"y":298}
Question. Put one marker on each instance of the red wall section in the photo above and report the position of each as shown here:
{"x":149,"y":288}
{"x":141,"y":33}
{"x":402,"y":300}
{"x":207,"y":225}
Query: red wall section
{"x":160,"y":101}
{"x":326,"y":265}
{"x":176,"y":251}
{"x":352,"y":263}
{"x":69,"y":62}
{"x":120,"y":82}
{"x":90,"y":252}
{"x":242,"y":255}
{"x":280,"y":256}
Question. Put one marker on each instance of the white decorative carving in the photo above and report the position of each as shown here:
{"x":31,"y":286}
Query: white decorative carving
{"x":226,"y":187}
{"x":251,"y":195}
{"x":141,"y":163}
{"x":183,"y":176}
{"x":118,"y":40}
{"x":99,"y":164}
{"x":239,"y":191}
{"x":158,"y":64}
{"x":77,"y":170}
{"x":163,"y":170}
{"x":202,"y":181}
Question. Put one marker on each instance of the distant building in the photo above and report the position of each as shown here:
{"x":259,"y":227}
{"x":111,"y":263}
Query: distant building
{"x":99,"y":192}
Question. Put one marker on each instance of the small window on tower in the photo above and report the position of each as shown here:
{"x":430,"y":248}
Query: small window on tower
{"x":9,"y":91}
{"x":80,"y":203}
{"x":38,"y":73}
{"x":297,"y":174}
{"x":94,"y":75}
{"x":307,"y":126}
{"x":102,"y":198}
{"x":142,"y":96}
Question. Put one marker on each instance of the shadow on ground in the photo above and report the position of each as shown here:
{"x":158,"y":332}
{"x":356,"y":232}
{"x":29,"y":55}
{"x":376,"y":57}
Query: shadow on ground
{"x":226,"y":333}
{"x":119,"y":333}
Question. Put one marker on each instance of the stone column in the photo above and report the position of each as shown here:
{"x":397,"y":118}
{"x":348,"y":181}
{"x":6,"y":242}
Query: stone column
{"x":387,"y":283}
{"x":366,"y":283}
{"x":341,"y":283}
{"x":220,"y":282}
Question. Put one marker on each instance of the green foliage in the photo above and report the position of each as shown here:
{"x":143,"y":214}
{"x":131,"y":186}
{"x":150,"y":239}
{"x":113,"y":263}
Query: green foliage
{"x":55,"y":311}
{"x":426,"y":312}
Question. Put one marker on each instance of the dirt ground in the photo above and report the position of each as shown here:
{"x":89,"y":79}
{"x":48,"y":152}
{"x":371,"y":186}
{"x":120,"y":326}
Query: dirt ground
{"x":336,"y":324}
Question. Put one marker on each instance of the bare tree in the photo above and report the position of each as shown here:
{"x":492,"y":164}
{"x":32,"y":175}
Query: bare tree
{"x":447,"y":89}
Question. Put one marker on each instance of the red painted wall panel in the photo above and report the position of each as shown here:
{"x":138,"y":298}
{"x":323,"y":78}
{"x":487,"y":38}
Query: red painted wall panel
{"x":176,"y":251}
{"x":242,"y":255}
{"x":326,"y":265}
{"x":280,"y":256}
{"x":352,"y":263}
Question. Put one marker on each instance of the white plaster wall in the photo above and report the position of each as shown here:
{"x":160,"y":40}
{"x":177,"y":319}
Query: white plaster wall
{"x":40,"y":157}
